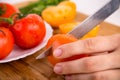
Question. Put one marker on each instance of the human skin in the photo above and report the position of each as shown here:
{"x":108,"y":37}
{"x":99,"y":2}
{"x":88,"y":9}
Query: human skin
{"x":103,"y":64}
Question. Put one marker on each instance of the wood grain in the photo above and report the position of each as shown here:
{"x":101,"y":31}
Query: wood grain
{"x":31,"y":69}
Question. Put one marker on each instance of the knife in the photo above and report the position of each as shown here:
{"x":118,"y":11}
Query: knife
{"x":88,"y":24}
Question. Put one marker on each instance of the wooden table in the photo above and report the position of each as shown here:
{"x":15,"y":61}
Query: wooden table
{"x":31,"y":69}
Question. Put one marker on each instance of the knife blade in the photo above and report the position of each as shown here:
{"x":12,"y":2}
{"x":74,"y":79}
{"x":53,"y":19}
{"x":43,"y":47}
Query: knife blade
{"x":88,"y":24}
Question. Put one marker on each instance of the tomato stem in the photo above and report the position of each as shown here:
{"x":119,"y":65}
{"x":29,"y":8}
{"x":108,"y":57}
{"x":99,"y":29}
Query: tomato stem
{"x":19,"y":15}
{"x":8,"y":20}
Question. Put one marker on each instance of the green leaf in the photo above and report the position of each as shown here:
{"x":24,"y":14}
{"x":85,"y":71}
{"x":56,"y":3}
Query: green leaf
{"x":38,"y":7}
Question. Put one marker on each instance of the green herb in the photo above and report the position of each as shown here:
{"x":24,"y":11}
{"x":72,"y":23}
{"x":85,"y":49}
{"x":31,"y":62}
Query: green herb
{"x":39,"y":6}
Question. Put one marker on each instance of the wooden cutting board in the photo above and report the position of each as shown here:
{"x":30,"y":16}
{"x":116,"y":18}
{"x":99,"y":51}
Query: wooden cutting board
{"x":31,"y":69}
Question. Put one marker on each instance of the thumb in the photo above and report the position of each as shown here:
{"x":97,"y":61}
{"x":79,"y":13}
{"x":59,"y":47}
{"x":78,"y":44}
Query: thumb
{"x":91,"y":45}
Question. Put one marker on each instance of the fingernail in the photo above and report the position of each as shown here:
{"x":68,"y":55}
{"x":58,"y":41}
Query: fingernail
{"x":57,"y":52}
{"x":58,"y":69}
{"x":68,"y":78}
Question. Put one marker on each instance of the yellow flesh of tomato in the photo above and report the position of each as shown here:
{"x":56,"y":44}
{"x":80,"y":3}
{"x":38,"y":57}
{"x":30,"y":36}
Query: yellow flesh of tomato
{"x":65,"y":28}
{"x":63,"y":13}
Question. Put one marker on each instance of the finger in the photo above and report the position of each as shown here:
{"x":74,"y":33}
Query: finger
{"x":102,"y":75}
{"x":89,"y":64}
{"x":91,"y":45}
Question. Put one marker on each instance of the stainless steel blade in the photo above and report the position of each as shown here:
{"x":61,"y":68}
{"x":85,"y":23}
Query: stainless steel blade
{"x":89,"y":23}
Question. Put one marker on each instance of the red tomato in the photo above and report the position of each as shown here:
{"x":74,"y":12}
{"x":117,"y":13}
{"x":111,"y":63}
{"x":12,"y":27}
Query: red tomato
{"x":6,"y":42}
{"x":60,"y":39}
{"x":6,"y":10}
{"x":29,"y":31}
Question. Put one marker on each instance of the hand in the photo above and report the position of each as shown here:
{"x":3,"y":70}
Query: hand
{"x":96,"y":67}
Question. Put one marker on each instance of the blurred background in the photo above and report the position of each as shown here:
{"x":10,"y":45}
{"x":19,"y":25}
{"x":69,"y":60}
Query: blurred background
{"x":87,"y":7}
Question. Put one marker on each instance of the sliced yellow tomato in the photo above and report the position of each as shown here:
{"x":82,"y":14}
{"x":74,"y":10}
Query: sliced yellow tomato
{"x":65,"y":28}
{"x":92,"y":33}
{"x":60,"y":14}
{"x":68,"y":3}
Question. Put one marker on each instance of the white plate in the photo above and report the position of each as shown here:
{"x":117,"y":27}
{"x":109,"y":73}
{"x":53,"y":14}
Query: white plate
{"x":18,"y":53}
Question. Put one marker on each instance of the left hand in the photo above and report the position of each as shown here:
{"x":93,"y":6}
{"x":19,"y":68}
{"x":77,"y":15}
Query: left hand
{"x":95,"y":67}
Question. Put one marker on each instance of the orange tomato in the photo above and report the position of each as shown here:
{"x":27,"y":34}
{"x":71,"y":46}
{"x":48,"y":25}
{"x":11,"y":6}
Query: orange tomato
{"x":58,"y":40}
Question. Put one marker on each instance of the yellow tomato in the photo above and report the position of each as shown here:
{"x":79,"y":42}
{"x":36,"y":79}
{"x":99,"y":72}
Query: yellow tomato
{"x":92,"y":33}
{"x":68,"y":3}
{"x":65,"y":28}
{"x":60,"y":14}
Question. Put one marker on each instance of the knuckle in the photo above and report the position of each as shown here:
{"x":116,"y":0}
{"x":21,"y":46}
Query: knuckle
{"x":89,"y":44}
{"x":118,"y":37}
{"x":105,"y":75}
{"x":89,"y":65}
{"x":97,"y":76}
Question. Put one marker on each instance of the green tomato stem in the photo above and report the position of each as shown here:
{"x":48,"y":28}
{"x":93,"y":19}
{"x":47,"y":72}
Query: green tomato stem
{"x":8,"y":20}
